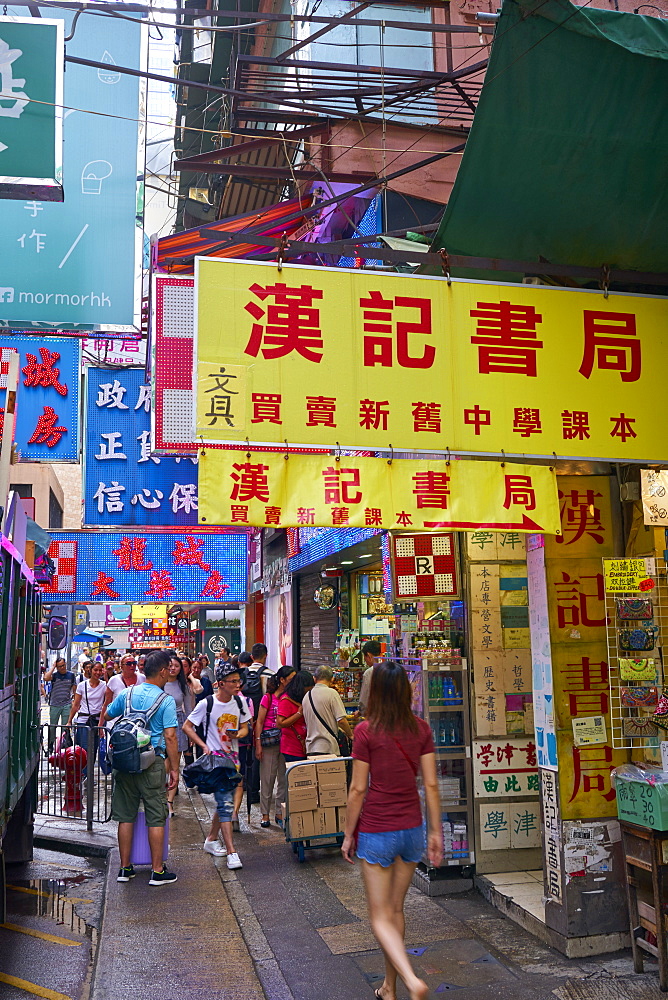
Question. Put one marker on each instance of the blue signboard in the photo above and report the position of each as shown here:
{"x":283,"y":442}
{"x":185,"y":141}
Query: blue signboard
{"x":123,"y":482}
{"x":135,"y":567}
{"x":74,"y":263}
{"x":319,"y":543}
{"x":47,"y":403}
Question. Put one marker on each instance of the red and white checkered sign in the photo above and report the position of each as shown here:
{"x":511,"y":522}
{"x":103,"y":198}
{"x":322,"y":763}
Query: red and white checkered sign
{"x":5,"y":356}
{"x":424,"y":566}
{"x":64,"y":556}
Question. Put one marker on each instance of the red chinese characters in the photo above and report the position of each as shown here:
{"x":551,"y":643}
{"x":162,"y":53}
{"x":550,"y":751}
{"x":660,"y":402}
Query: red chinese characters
{"x":131,"y":554}
{"x":519,"y":492}
{"x":102,"y":586}
{"x":291,"y":323}
{"x":43,"y":374}
{"x":190,"y":553}
{"x":610,"y":343}
{"x":431,"y":489}
{"x":250,"y":482}
{"x":341,"y":485}
{"x":378,"y":330}
{"x":374,"y":414}
{"x":320,"y":410}
{"x":427,"y":417}
{"x":160,"y":584}
{"x":507,"y":338}
{"x":266,"y":408}
{"x":47,"y":430}
{"x":215,"y":586}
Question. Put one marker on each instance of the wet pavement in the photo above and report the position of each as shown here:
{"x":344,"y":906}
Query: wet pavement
{"x":54,"y":911}
{"x":282,"y":930}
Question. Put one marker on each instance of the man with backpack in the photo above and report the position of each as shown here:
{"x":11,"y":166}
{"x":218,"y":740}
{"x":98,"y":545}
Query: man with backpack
{"x":216,"y":725}
{"x":141,"y":739}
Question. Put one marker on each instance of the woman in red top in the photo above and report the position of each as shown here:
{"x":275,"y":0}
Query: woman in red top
{"x":290,"y":718}
{"x":389,"y":749}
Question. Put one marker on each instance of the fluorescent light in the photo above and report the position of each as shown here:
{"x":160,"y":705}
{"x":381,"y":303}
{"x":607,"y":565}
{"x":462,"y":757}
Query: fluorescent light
{"x":347,"y":562}
{"x":367,"y":555}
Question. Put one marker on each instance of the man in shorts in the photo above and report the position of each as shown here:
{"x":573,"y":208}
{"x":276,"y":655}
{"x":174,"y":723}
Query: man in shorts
{"x":228,"y":723}
{"x":147,"y":786}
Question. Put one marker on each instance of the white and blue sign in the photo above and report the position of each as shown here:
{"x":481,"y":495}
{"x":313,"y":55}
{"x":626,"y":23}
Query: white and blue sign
{"x":75,"y":263}
{"x":124,"y":484}
{"x":47,"y":401}
{"x":140,"y":567}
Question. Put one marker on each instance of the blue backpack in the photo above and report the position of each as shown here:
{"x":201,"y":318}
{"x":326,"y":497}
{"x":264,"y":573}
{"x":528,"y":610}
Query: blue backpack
{"x":130,"y":749}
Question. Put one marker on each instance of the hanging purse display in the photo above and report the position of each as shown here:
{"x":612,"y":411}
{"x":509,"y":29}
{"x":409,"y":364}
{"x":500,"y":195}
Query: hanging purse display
{"x":637,"y":670}
{"x":634,"y":608}
{"x":639,"y":697}
{"x":641,"y":638}
{"x":639,"y":728}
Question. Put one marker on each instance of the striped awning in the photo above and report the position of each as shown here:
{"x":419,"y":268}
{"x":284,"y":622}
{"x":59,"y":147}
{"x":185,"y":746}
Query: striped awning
{"x":175,"y":254}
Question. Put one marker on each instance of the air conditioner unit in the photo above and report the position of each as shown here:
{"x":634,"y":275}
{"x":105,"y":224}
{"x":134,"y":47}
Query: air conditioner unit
{"x":629,"y":491}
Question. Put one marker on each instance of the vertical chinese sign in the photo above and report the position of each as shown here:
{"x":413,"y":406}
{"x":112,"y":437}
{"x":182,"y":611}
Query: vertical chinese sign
{"x":47,"y":410}
{"x":32,"y":65}
{"x":505,"y":771}
{"x":501,"y":673}
{"x":581,"y":807}
{"x":124,"y":483}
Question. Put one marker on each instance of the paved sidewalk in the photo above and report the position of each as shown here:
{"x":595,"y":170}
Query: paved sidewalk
{"x":281,"y":930}
{"x":173,"y":942}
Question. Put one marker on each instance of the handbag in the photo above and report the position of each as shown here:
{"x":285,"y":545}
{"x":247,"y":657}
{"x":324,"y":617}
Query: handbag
{"x":639,"y":697}
{"x":637,"y":670}
{"x":212,"y":772}
{"x":641,"y":638}
{"x":342,"y":740}
{"x":634,"y":608}
{"x":93,"y":721}
{"x":270,"y":737}
{"x":639,"y":728}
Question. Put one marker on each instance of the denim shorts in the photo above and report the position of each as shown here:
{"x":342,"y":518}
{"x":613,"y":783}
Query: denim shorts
{"x":224,"y":804}
{"x":383,"y":848}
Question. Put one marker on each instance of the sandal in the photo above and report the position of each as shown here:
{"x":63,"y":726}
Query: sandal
{"x":265,"y":824}
{"x":278,"y":821}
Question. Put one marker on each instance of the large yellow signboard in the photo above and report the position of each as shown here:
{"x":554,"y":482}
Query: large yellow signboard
{"x":265,"y":488}
{"x":320,"y":356}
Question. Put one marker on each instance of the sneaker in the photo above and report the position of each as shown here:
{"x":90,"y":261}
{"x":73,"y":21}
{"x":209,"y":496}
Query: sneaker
{"x":234,"y":861}
{"x":125,"y":874}
{"x":161,"y":878}
{"x":215,"y":847}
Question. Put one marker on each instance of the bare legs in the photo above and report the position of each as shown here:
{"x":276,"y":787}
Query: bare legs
{"x":386,"y":890}
{"x":216,"y":827}
{"x":156,"y":838}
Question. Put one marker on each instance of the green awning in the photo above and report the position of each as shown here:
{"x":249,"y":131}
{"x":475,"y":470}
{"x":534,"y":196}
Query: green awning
{"x":567,"y":159}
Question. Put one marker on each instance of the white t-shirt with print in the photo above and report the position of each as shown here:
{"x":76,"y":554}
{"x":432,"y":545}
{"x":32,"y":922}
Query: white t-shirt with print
{"x":117,"y":684}
{"x":226,"y":716}
{"x":92,"y":699}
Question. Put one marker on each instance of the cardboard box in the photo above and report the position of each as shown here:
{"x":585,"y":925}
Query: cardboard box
{"x":301,"y":775}
{"x":325,"y":821}
{"x":341,"y":818}
{"x":302,"y":825}
{"x":333,"y":796}
{"x":331,"y":773}
{"x":302,"y":799}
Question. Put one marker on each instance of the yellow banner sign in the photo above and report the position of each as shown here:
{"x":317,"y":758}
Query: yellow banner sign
{"x":144,"y":611}
{"x":626,"y":576}
{"x":267,"y":489}
{"x":322,"y":356}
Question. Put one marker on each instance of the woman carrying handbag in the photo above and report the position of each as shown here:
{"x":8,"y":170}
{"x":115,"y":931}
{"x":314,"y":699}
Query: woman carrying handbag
{"x":290,"y":718}
{"x":268,"y":746}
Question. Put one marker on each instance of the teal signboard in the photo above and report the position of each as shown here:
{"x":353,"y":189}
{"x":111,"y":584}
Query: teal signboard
{"x":75,"y":264}
{"x":31,"y":85}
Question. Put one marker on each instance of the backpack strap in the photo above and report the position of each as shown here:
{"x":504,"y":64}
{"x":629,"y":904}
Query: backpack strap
{"x":319,"y":716}
{"x":209,"y":706}
{"x":150,"y":712}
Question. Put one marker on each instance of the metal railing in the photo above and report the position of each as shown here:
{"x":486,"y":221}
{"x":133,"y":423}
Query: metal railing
{"x":71,"y":780}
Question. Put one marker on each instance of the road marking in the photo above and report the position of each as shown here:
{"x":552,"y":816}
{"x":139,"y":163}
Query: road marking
{"x":64,"y":260}
{"x":40,"y":934}
{"x":37,"y":991}
{"x":38,"y":892}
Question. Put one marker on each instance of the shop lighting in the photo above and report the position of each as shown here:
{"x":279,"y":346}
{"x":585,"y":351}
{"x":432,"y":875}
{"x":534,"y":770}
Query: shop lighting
{"x":346,"y":562}
{"x":367,"y":555}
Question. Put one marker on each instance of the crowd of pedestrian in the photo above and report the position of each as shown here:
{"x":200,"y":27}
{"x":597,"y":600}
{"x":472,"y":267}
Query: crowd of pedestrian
{"x":257,"y":720}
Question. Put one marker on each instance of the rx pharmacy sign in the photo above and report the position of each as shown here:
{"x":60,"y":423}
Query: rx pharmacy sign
{"x":31,"y":98}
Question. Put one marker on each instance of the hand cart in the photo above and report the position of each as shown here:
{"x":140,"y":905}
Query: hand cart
{"x":302,"y":844}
